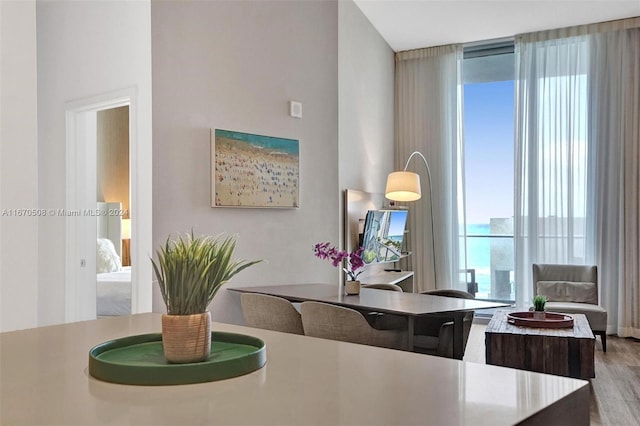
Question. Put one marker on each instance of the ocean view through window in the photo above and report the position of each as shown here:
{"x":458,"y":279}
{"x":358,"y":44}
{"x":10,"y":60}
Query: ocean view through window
{"x":489,"y":174}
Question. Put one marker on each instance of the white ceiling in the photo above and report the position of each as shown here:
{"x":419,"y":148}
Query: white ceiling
{"x":412,"y":24}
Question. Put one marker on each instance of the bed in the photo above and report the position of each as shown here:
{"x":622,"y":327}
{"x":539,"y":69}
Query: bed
{"x":113,"y":280}
{"x":114,"y":293}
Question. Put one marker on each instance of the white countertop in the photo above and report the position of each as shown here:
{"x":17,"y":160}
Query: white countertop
{"x":44,"y":381}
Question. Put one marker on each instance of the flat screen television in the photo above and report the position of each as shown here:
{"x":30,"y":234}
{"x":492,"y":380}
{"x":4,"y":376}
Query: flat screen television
{"x":383,"y":235}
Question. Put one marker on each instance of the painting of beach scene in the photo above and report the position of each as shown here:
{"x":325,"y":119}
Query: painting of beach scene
{"x":250,"y":170}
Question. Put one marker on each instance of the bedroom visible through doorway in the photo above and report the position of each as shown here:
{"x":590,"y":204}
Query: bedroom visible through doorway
{"x":113,"y":195}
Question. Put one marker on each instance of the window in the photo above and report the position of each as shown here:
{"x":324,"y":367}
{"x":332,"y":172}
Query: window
{"x":489,"y":168}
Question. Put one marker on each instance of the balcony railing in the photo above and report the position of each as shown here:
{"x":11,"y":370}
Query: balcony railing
{"x":491,"y":257}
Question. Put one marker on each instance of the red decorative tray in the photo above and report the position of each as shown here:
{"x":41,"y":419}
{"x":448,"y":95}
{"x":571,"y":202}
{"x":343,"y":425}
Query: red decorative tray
{"x":551,"y":320}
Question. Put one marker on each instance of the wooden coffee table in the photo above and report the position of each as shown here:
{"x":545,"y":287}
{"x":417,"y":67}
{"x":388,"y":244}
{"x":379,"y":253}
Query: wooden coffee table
{"x":560,"y":351}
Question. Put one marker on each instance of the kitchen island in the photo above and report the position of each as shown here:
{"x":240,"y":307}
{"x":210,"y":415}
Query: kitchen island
{"x":306,"y":381}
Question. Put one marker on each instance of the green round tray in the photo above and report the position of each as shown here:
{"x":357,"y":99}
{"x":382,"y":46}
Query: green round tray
{"x":139,"y":360}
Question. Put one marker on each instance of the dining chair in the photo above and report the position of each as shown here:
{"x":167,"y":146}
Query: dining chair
{"x":572,"y":289}
{"x":434,"y":335}
{"x":347,"y":325}
{"x":271,"y":313}
{"x":383,"y":286}
{"x":383,"y":321}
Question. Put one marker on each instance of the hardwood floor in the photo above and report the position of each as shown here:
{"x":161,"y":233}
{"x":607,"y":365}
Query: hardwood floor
{"x":615,"y":391}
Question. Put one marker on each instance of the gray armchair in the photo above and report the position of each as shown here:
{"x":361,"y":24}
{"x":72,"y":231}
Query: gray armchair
{"x":434,"y":335}
{"x":270,"y":313}
{"x":572,"y":289}
{"x":348,"y":325}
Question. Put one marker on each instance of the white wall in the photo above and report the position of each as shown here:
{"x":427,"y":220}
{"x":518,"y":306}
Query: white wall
{"x":18,"y":165}
{"x":85,"y":49}
{"x":366,"y":89}
{"x":366,"y":93}
{"x":210,"y":69}
{"x":236,"y":65}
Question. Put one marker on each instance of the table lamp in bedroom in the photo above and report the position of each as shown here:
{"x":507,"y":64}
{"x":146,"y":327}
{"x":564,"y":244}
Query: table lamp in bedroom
{"x":126,"y":242}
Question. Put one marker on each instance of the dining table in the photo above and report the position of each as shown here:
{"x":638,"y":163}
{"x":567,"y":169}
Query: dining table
{"x":409,"y":305}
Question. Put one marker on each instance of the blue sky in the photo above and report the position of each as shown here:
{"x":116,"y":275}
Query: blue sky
{"x":489,"y":156}
{"x":397,"y":223}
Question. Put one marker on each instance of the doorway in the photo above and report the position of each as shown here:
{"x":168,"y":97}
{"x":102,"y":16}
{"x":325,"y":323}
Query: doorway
{"x":82,"y":119}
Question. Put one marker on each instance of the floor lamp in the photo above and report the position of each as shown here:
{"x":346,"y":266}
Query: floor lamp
{"x":405,"y":186}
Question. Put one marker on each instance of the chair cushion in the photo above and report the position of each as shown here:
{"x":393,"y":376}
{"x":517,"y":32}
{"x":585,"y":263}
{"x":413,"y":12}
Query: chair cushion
{"x":596,"y":315}
{"x":567,"y":291}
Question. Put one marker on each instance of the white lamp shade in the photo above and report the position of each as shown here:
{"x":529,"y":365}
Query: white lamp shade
{"x":403,"y":186}
{"x":126,"y":229}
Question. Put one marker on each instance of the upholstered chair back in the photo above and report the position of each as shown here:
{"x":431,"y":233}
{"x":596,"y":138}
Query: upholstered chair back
{"x":348,"y":325}
{"x":450,"y":292}
{"x":383,"y":286}
{"x":271,"y":313}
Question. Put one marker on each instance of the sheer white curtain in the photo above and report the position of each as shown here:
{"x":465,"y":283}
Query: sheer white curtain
{"x":551,"y":156}
{"x":615,"y":136}
{"x":428,"y":114}
{"x":577,"y":156}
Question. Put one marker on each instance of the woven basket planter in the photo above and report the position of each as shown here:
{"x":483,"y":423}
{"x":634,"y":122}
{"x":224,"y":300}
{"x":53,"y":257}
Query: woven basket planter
{"x":186,"y":338}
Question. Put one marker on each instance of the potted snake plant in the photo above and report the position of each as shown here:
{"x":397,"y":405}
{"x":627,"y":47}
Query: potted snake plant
{"x":190,"y":270}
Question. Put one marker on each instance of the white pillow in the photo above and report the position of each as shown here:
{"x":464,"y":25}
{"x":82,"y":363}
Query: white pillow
{"x":107,"y":260}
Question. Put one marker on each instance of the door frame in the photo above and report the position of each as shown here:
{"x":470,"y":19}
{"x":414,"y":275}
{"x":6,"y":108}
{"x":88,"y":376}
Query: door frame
{"x":81,"y":171}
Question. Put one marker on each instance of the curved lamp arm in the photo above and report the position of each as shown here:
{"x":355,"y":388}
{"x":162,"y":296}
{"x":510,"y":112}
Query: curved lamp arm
{"x":419,"y":154}
{"x":405,"y":186}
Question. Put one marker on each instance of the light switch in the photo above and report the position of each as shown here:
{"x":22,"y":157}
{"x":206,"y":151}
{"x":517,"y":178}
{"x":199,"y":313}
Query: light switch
{"x":295,"y":109}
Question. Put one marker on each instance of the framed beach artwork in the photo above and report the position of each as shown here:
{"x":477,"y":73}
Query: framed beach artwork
{"x":250,"y":170}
